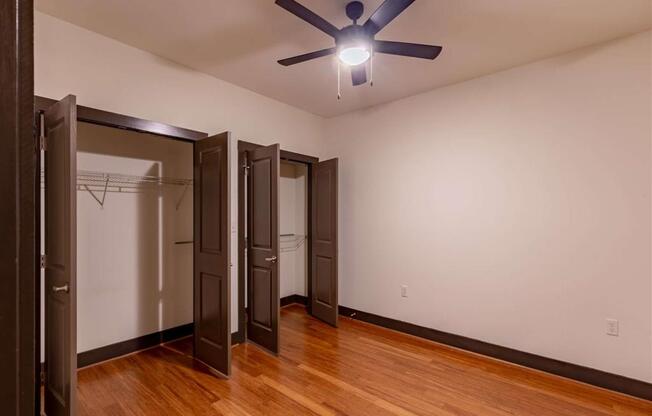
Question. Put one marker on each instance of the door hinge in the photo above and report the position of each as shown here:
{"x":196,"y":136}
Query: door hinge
{"x":246,"y":169}
{"x":42,"y":143}
{"x":44,"y":260}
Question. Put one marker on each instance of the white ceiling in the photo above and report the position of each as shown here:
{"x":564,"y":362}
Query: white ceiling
{"x":240,"y":40}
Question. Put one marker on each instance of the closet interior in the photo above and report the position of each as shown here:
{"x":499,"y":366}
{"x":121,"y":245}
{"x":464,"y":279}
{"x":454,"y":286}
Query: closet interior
{"x":293,"y":201}
{"x":134,"y":194}
{"x":287,"y":239}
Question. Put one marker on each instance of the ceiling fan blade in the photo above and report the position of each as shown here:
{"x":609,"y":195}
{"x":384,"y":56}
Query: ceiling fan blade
{"x":306,"y":14}
{"x":385,"y":14}
{"x":359,"y":74}
{"x":414,"y":50}
{"x":307,"y":56}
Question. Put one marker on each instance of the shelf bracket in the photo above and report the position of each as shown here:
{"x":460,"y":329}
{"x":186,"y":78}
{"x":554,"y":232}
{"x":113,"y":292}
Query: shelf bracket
{"x":99,"y":201}
{"x":185,"y":189}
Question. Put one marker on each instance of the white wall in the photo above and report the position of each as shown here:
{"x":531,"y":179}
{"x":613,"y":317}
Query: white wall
{"x":301,"y":228}
{"x":287,"y":206}
{"x":109,"y":75}
{"x":132,"y":278}
{"x":516,"y":207}
{"x":293,"y":217}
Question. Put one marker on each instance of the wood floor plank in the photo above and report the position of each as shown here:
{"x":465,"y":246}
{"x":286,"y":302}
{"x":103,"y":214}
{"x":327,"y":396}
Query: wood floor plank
{"x":357,"y":369}
{"x":392,"y":408}
{"x":305,"y":401}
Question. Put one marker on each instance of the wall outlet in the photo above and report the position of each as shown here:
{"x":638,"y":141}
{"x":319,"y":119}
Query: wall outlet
{"x":612,"y":327}
{"x":404,"y":291}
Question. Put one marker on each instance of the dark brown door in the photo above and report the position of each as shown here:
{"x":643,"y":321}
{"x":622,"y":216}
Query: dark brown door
{"x":212,"y":277}
{"x":263,"y":241}
{"x":323,"y":299}
{"x":60,"y":129}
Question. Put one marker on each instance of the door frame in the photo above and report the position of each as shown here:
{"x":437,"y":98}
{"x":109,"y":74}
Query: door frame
{"x":19,"y":382}
{"x":102,"y":118}
{"x":309,"y":161}
{"x":124,"y":122}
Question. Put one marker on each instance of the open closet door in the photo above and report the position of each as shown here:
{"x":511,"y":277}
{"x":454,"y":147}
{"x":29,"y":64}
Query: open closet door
{"x":212,"y":293}
{"x":323,"y":299}
{"x":59,"y":128}
{"x":263,"y":242}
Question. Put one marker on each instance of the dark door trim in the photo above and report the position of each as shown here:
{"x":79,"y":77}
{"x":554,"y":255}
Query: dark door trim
{"x":309,"y":161}
{"x":19,"y":354}
{"x":120,"y":121}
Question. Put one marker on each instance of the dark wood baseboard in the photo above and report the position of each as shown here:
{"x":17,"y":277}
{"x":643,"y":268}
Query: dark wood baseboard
{"x":129,"y":346}
{"x":289,"y":300}
{"x":580,"y":373}
{"x":576,"y":372}
{"x":86,"y":358}
{"x":238,"y":337}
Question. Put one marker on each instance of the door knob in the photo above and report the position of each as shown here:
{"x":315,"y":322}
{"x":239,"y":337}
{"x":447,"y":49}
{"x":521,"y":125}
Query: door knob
{"x":57,"y":289}
{"x":271,"y":259}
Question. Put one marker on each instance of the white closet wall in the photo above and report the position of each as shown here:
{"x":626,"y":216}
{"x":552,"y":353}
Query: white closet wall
{"x":293,"y":217}
{"x":132,"y":278}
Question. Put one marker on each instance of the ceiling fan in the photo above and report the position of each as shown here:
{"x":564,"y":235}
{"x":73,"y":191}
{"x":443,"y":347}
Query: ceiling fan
{"x":355,"y":44}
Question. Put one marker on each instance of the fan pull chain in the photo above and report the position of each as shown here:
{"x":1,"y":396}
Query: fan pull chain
{"x":339,"y":84}
{"x":371,"y":67}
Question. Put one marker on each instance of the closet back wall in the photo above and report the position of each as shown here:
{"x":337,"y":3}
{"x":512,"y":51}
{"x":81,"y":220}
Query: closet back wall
{"x":293,"y":213}
{"x":132,"y":278}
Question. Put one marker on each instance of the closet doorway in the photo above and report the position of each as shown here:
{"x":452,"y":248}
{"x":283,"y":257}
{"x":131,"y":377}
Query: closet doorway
{"x":287,"y":238}
{"x":117,"y":177}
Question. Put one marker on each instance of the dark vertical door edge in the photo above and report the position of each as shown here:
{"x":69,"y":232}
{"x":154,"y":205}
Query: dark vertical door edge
{"x":323,"y":258}
{"x":19,"y":392}
{"x":60,"y":130}
{"x":309,"y":191}
{"x":212,"y":277}
{"x":263,"y":243}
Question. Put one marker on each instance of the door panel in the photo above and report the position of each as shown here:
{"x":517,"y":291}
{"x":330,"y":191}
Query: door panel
{"x":262,"y":289}
{"x":263,"y":247}
{"x":324,"y":296}
{"x":60,"y":129}
{"x":323,"y":289}
{"x":212,"y":300}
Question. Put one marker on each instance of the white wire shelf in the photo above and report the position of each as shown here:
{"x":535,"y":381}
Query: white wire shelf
{"x":95,"y":182}
{"x":291,"y":242}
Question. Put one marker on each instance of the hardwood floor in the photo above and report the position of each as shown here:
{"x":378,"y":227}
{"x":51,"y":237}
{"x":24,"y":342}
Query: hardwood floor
{"x":357,"y":369}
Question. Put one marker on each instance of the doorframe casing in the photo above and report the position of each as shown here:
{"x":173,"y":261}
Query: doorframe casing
{"x":19,"y":381}
{"x":309,"y":161}
{"x":124,"y":122}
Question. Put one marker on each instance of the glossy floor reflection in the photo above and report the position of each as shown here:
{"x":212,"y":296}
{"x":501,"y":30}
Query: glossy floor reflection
{"x":356,"y":369}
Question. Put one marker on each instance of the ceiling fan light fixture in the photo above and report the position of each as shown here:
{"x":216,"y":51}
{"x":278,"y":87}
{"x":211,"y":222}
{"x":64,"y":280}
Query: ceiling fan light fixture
{"x":354,"y":55}
{"x":356,"y":43}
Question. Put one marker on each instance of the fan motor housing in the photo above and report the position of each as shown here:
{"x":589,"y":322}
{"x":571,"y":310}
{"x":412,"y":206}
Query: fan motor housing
{"x":352,"y":35}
